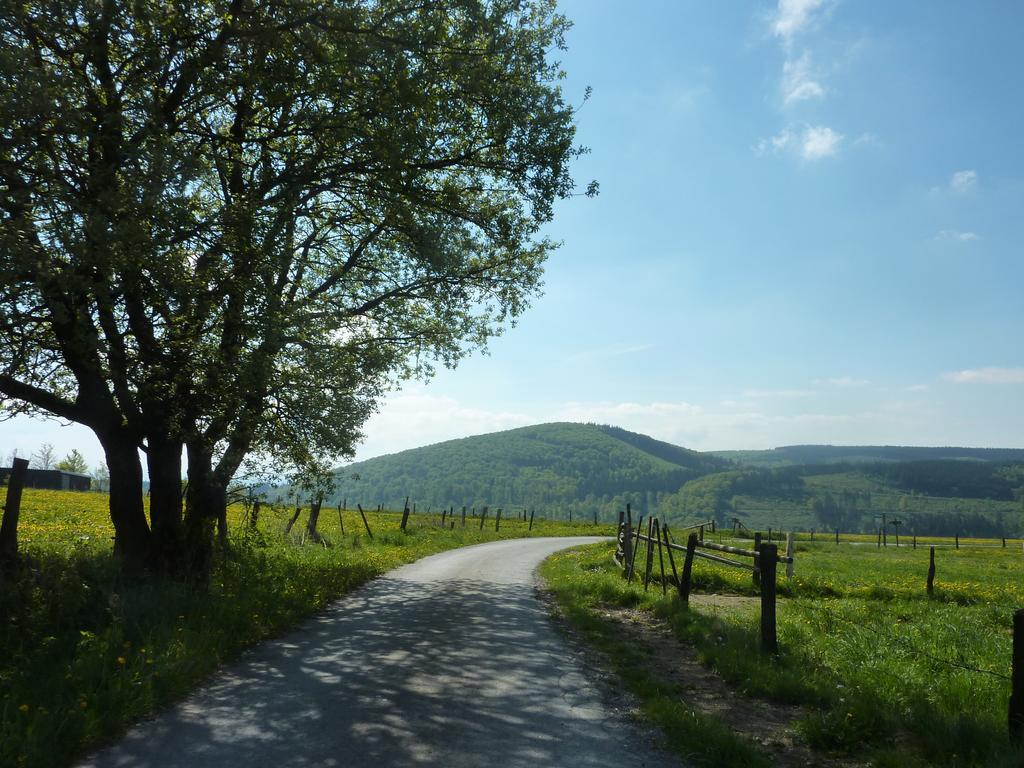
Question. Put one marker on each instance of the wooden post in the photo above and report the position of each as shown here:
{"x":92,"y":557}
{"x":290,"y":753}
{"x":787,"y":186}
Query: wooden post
{"x":254,"y":517}
{"x":671,"y":559}
{"x":635,"y":544}
{"x":295,"y":517}
{"x":12,"y":511}
{"x":915,"y":541}
{"x":1017,"y":679}
{"x":757,"y":560}
{"x":661,"y":558}
{"x":931,"y":572}
{"x":684,"y":582}
{"x":702,"y":533}
{"x":444,"y":512}
{"x":790,"y":549}
{"x":769,"y":535}
{"x":405,"y":514}
{"x":620,"y":537}
{"x":595,"y":517}
{"x":483,"y":516}
{"x":1004,"y":542}
{"x":837,"y":535}
{"x":958,"y":541}
{"x":531,"y":521}
{"x":769,"y":561}
{"x":497,"y":520}
{"x":650,"y":553}
{"x":627,"y":543}
{"x":367,"y":524}
{"x":463,"y":517}
{"x":879,"y":538}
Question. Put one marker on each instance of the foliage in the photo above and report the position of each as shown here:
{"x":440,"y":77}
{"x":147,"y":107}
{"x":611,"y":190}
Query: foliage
{"x":886,"y":672}
{"x":85,"y":651}
{"x":595,"y":468}
{"x":73,"y":462}
{"x":228,"y":226}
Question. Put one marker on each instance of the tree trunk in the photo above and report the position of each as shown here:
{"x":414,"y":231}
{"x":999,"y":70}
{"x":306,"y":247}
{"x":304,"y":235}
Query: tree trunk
{"x":205,"y":502}
{"x":165,"y":507}
{"x":132,"y":538}
{"x":314,"y":516}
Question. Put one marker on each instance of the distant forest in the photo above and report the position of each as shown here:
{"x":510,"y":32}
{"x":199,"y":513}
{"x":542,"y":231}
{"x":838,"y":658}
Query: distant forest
{"x":589,"y":468}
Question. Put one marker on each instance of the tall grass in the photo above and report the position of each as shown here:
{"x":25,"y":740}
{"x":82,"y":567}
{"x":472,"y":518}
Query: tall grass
{"x":886,"y":672}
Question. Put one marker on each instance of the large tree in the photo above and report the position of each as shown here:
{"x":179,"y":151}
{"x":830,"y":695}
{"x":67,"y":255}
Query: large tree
{"x":227,"y":227}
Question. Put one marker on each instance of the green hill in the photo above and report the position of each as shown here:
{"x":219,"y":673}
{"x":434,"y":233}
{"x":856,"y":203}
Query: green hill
{"x":934,"y":497}
{"x":590,"y":468}
{"x":790,"y":455}
{"x":548,"y":466}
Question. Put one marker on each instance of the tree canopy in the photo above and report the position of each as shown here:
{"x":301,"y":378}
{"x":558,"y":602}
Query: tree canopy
{"x":228,"y":227}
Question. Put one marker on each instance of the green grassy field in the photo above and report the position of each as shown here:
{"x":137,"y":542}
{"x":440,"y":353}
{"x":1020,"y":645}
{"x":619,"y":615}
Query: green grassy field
{"x":84,"y":653}
{"x":888,"y":674}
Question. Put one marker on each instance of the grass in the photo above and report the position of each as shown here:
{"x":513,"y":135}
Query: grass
{"x":887,"y":674}
{"x":83,"y":653}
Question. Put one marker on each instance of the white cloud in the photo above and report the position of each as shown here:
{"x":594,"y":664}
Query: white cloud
{"x":818,"y":142}
{"x":956,"y":235}
{"x":986,"y":376}
{"x":414,"y":418}
{"x":799,"y":82}
{"x":814,"y":142}
{"x":963,"y":182}
{"x":792,"y":16}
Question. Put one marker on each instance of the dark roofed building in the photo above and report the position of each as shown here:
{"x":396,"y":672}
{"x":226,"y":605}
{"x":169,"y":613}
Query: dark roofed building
{"x":51,"y":479}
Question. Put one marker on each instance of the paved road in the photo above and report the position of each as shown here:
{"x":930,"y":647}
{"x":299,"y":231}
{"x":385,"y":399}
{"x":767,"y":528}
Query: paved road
{"x":450,"y":661}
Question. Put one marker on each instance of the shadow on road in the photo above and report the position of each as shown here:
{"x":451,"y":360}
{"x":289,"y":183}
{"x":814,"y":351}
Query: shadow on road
{"x":402,"y":673}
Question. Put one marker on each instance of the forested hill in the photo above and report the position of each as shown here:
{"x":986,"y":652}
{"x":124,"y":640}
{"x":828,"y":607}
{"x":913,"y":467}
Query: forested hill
{"x":543,"y":466}
{"x":790,"y":455}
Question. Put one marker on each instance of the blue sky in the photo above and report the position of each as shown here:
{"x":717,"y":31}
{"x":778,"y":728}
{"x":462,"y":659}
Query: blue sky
{"x":810,"y":229}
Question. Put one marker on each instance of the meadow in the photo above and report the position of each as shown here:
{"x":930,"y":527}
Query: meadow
{"x":888,"y":675}
{"x":83,"y":652}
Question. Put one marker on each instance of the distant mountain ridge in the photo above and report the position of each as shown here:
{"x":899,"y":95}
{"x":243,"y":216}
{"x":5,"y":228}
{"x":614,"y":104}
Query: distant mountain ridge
{"x":560,"y":463}
{"x":597,"y":469}
{"x":850,"y":454}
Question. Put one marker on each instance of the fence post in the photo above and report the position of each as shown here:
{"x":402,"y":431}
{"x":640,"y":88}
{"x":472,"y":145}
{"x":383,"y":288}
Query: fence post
{"x":1017,"y":679}
{"x":769,"y":561}
{"x":931,"y":571}
{"x":671,"y":559}
{"x":958,"y":541}
{"x":463,"y":516}
{"x":790,"y":550}
{"x":757,"y":560}
{"x":837,"y":535}
{"x":405,"y":513}
{"x":12,"y":510}
{"x":483,"y":515}
{"x":497,"y":520}
{"x":595,"y":517}
{"x":650,"y":553}
{"x":531,"y":521}
{"x":684,"y":583}
{"x":635,"y":543}
{"x":661,"y":557}
{"x":627,"y":545}
{"x":365,"y":522}
{"x":341,"y":520}
{"x":915,"y":541}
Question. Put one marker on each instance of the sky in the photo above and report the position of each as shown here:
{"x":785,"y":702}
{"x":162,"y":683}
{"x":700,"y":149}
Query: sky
{"x":810,"y":230}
